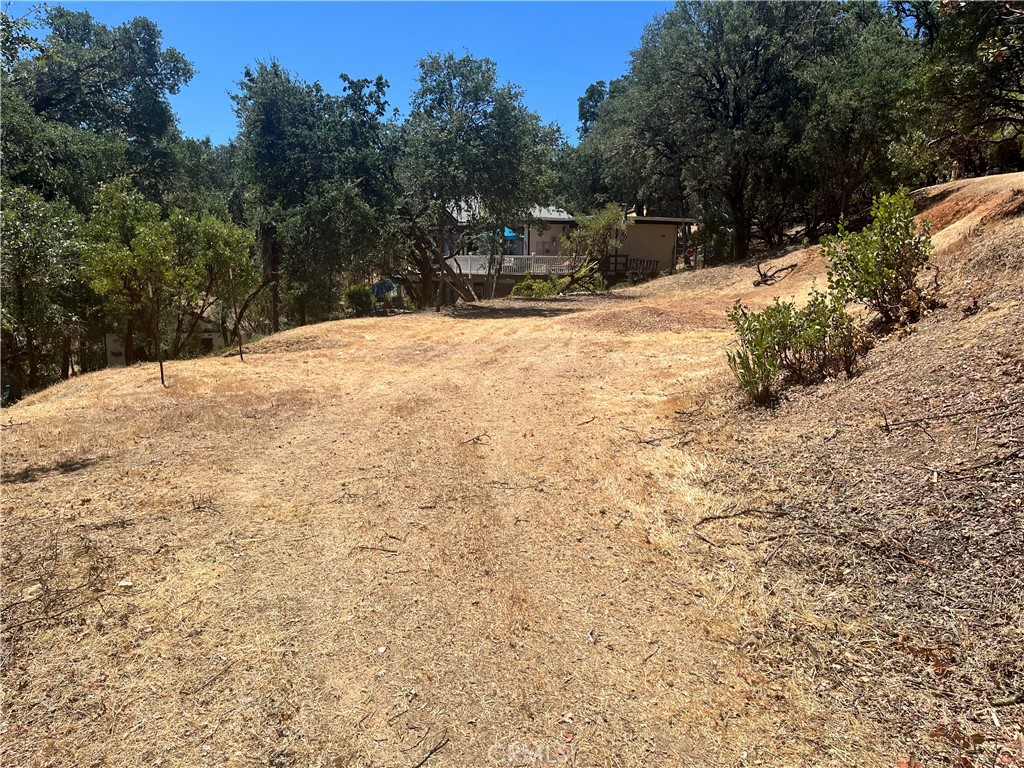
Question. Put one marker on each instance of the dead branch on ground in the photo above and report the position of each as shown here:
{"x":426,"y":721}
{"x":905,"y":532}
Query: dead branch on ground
{"x":772,"y":276}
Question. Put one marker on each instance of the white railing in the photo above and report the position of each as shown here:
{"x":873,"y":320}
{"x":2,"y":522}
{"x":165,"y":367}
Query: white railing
{"x":476,"y":264}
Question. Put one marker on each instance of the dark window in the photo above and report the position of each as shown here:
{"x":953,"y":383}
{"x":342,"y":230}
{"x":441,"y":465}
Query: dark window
{"x":618,"y":265}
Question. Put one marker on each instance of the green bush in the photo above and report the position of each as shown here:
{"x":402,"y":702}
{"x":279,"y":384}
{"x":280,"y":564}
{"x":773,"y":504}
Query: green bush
{"x":595,"y":283}
{"x":540,"y":288}
{"x":359,"y":299}
{"x":826,"y":341}
{"x":878,"y":266}
{"x":783,"y":345}
{"x":537,"y":288}
{"x":758,"y":361}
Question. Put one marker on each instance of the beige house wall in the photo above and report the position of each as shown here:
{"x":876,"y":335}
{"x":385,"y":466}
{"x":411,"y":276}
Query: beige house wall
{"x":536,"y":235}
{"x":652,"y":241}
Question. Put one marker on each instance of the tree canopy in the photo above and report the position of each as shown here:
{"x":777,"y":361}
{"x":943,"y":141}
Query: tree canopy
{"x":473,"y":160}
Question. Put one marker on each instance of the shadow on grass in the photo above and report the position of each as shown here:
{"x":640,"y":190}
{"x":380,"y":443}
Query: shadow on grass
{"x":63,"y":467}
{"x":555,"y":306}
{"x":928,"y":198}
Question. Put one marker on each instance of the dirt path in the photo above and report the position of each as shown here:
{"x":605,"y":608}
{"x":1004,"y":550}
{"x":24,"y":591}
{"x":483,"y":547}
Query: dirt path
{"x":379,"y":538}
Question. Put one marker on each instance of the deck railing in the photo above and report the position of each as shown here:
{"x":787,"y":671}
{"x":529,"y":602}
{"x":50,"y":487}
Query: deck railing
{"x":645,"y":267}
{"x":476,"y":264}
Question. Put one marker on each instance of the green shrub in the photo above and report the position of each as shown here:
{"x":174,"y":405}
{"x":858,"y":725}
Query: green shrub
{"x":359,"y":299}
{"x":595,"y":283}
{"x":878,"y":266}
{"x":541,"y":288}
{"x":826,"y":341}
{"x":758,"y":361}
{"x":782,"y":345}
{"x":537,"y":288}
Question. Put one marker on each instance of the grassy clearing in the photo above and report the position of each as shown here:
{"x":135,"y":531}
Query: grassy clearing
{"x":474,"y":536}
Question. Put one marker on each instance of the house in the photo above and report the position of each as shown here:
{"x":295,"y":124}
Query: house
{"x":544,"y":238}
{"x":650,"y":248}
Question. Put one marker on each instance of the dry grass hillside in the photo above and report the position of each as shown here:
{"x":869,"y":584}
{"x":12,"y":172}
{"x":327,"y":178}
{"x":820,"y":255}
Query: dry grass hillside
{"x":528,"y":533}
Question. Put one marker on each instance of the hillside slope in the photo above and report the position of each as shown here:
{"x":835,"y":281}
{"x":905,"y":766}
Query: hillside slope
{"x":530,"y":532}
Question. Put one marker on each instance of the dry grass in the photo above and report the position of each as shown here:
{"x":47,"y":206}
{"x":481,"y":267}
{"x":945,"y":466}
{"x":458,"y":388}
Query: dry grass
{"x":470,"y":536}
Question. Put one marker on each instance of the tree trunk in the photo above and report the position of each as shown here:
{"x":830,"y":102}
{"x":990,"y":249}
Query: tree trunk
{"x":33,"y":360}
{"x":275,"y":306}
{"x":426,"y":282}
{"x":270,"y":251}
{"x":741,"y":229}
{"x":129,"y":342}
{"x":429,"y":251}
{"x":741,"y":219}
{"x":740,"y":241}
{"x":66,"y":367}
{"x":155,"y":329}
{"x":245,"y":305}
{"x":458,"y":282}
{"x":413,"y":292}
{"x":14,"y":380}
{"x":30,"y":346}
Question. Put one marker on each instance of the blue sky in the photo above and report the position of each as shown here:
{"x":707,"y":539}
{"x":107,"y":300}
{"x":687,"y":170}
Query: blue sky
{"x":553,"y":50}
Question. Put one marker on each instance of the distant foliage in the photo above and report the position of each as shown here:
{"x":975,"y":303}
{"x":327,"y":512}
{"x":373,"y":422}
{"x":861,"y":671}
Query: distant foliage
{"x":968,"y":89}
{"x":759,"y":120}
{"x":359,"y":299}
{"x":782,"y":345}
{"x":595,"y":237}
{"x":878,"y":267}
{"x":536,"y":288}
{"x":44,"y":303}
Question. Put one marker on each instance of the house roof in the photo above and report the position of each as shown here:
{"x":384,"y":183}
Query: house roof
{"x":471,"y":208}
{"x":550,"y":213}
{"x":659,"y":220}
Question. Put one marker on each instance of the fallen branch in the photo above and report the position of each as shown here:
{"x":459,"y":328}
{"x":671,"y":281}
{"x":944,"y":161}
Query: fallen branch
{"x":649,"y":656}
{"x":706,"y":540}
{"x":916,"y":560}
{"x":772,"y":276}
{"x":434,"y":750}
{"x":741,"y":513}
{"x":654,"y":440}
{"x":209,"y":681}
{"x":506,"y":486}
{"x":964,"y":473}
{"x":889,"y":425}
{"x":385,"y":550}
{"x":48,"y":617}
{"x":1009,"y":701}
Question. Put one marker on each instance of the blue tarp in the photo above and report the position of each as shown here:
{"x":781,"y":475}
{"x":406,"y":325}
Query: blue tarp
{"x":383,"y":287}
{"x":510,"y":235}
